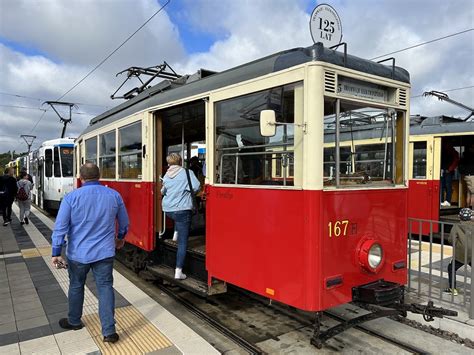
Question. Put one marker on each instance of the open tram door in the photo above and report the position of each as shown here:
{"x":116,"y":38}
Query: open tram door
{"x":182,"y":129}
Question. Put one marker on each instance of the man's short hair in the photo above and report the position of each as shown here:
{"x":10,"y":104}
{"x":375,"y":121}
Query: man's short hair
{"x":7,"y":170}
{"x":89,"y":171}
{"x":173,"y":159}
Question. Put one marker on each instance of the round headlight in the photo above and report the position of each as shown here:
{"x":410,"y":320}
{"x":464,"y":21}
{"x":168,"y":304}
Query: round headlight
{"x":375,"y":256}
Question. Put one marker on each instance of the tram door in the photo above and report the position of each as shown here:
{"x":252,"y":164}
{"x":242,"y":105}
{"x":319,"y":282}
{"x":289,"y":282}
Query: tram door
{"x":179,"y":129}
{"x":423,"y":192}
{"x":40,"y":186}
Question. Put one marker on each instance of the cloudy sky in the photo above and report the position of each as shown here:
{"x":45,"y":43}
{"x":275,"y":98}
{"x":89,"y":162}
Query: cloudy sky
{"x":47,"y":46}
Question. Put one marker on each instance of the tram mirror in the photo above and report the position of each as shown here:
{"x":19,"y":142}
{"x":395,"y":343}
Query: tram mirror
{"x":267,"y":123}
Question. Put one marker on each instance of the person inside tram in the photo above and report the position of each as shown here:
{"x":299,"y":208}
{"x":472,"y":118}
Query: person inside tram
{"x":461,"y":237}
{"x":466,"y":168}
{"x":449,"y":163}
{"x":178,"y":204}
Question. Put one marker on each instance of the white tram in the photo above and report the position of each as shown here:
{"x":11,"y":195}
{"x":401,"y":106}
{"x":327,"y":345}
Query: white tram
{"x":51,"y":167}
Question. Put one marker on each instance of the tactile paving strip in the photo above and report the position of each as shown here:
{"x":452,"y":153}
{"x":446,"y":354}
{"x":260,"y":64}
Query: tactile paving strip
{"x":137,"y":334}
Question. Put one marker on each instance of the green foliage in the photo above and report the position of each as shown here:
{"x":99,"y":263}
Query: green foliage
{"x":7,"y":157}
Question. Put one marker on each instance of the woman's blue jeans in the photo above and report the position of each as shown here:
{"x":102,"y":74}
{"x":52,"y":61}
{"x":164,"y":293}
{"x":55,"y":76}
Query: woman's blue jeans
{"x":182,"y":223}
{"x":103,"y":276}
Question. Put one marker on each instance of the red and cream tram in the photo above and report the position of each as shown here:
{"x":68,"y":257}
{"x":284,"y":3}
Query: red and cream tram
{"x":290,"y":212}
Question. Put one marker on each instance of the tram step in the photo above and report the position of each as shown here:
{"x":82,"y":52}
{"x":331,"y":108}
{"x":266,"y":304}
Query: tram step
{"x":190,"y":283}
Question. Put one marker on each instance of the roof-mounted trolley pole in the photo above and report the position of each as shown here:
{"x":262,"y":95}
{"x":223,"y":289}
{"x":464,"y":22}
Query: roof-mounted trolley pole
{"x":28,"y":140}
{"x":444,"y":97}
{"x":159,"y":71}
{"x":65,"y":121}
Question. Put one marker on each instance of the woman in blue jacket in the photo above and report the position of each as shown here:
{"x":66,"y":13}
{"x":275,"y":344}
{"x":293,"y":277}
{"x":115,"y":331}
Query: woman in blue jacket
{"x":178,"y":205}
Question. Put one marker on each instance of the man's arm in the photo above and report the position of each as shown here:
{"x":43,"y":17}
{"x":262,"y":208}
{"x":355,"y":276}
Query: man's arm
{"x":123,"y":222}
{"x":61,"y":227}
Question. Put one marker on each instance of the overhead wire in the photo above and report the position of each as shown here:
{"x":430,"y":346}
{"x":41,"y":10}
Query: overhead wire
{"x":450,"y":90}
{"x":423,"y":43}
{"x":105,"y":59}
{"x":39,"y":99}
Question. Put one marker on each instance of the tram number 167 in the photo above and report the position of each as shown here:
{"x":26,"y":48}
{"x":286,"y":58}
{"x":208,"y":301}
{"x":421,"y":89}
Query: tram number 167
{"x":338,"y":228}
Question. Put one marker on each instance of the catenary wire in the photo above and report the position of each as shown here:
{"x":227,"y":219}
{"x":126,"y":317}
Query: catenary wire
{"x":423,"y":43}
{"x":104,"y":60}
{"x":450,"y":90}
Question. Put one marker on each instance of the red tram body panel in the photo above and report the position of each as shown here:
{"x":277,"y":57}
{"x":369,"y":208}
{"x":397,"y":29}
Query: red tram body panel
{"x":423,"y":203}
{"x":252,"y":233}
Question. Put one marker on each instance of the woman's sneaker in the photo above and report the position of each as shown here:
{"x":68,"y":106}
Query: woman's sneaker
{"x":178,"y":275}
{"x":27,"y":221}
{"x":452,"y":291}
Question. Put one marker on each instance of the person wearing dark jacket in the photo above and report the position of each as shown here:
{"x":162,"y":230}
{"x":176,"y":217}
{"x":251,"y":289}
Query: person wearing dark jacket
{"x":8,"y":190}
{"x":466,"y":168}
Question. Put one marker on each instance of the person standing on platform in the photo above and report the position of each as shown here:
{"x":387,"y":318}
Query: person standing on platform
{"x":461,"y":236}
{"x":23,"y":197}
{"x":88,"y":216}
{"x":8,"y":190}
{"x":449,"y":163}
{"x":178,"y":205}
{"x":466,"y":168}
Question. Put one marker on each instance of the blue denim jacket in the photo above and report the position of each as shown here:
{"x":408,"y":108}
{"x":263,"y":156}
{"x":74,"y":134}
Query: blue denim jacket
{"x":176,"y":192}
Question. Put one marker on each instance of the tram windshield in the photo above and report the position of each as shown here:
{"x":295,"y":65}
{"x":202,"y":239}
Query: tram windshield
{"x":66,"y":161}
{"x":358,"y":145}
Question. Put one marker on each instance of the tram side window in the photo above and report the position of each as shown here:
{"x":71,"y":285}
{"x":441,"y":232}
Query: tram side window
{"x":130,"y":153}
{"x":48,"y":158}
{"x":91,"y":150}
{"x":243,"y":156}
{"x":419,"y":160}
{"x":107,"y":150}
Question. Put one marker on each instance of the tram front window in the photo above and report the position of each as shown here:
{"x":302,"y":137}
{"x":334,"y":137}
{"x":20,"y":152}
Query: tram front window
{"x":67,"y":161}
{"x":364,"y":135}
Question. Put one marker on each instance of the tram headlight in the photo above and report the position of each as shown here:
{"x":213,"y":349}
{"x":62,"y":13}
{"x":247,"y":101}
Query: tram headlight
{"x":375,"y":256}
{"x":371,"y":255}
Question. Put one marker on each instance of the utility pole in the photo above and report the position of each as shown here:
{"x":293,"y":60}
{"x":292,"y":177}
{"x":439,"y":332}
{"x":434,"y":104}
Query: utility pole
{"x":65,"y":121}
{"x":28,"y":140}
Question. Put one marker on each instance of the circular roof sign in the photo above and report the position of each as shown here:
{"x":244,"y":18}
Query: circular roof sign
{"x":325,"y":25}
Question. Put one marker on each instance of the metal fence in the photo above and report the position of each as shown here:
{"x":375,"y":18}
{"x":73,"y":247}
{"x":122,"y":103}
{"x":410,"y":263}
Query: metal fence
{"x":431,"y":251}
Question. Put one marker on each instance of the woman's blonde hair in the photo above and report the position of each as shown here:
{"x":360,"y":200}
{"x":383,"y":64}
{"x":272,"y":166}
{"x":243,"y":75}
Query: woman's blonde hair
{"x":173,"y":159}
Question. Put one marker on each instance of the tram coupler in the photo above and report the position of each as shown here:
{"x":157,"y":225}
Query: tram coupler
{"x":384,"y":299}
{"x":429,"y":311}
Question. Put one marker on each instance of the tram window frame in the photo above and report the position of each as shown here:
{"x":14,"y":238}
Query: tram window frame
{"x":90,"y":146}
{"x":56,"y":162}
{"x":48,"y":160}
{"x":390,"y":123}
{"x":419,"y":166}
{"x":67,"y":164}
{"x":107,"y":154}
{"x":124,"y":156}
{"x":252,"y":158}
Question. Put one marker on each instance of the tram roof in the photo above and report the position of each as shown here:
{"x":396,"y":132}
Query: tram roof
{"x":168,"y":91}
{"x":439,"y":125}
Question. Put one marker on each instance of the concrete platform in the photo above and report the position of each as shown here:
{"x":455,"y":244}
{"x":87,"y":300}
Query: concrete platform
{"x":33,"y":297}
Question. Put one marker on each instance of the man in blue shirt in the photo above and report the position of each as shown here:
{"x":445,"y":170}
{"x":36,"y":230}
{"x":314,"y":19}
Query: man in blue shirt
{"x":87,"y":216}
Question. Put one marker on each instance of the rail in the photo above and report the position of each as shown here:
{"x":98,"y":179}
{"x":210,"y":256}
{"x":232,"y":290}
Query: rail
{"x":430,"y":263}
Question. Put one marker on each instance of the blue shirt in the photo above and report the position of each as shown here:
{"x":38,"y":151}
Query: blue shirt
{"x":87,"y":216}
{"x":176,"y":191}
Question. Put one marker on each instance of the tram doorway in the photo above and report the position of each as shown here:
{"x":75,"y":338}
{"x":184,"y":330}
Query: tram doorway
{"x":181,"y":129}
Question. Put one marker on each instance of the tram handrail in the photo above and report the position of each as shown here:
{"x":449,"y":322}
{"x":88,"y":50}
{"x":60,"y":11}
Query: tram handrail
{"x":162,"y":232}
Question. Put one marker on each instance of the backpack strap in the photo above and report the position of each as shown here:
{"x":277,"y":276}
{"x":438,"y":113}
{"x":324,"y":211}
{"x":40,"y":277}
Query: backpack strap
{"x":193,"y":195}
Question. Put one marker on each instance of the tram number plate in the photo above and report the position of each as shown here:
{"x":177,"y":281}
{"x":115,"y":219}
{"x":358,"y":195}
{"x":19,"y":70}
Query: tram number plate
{"x":338,"y":228}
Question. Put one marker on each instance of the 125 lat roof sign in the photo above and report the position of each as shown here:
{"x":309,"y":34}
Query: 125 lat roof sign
{"x":325,"y":25}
